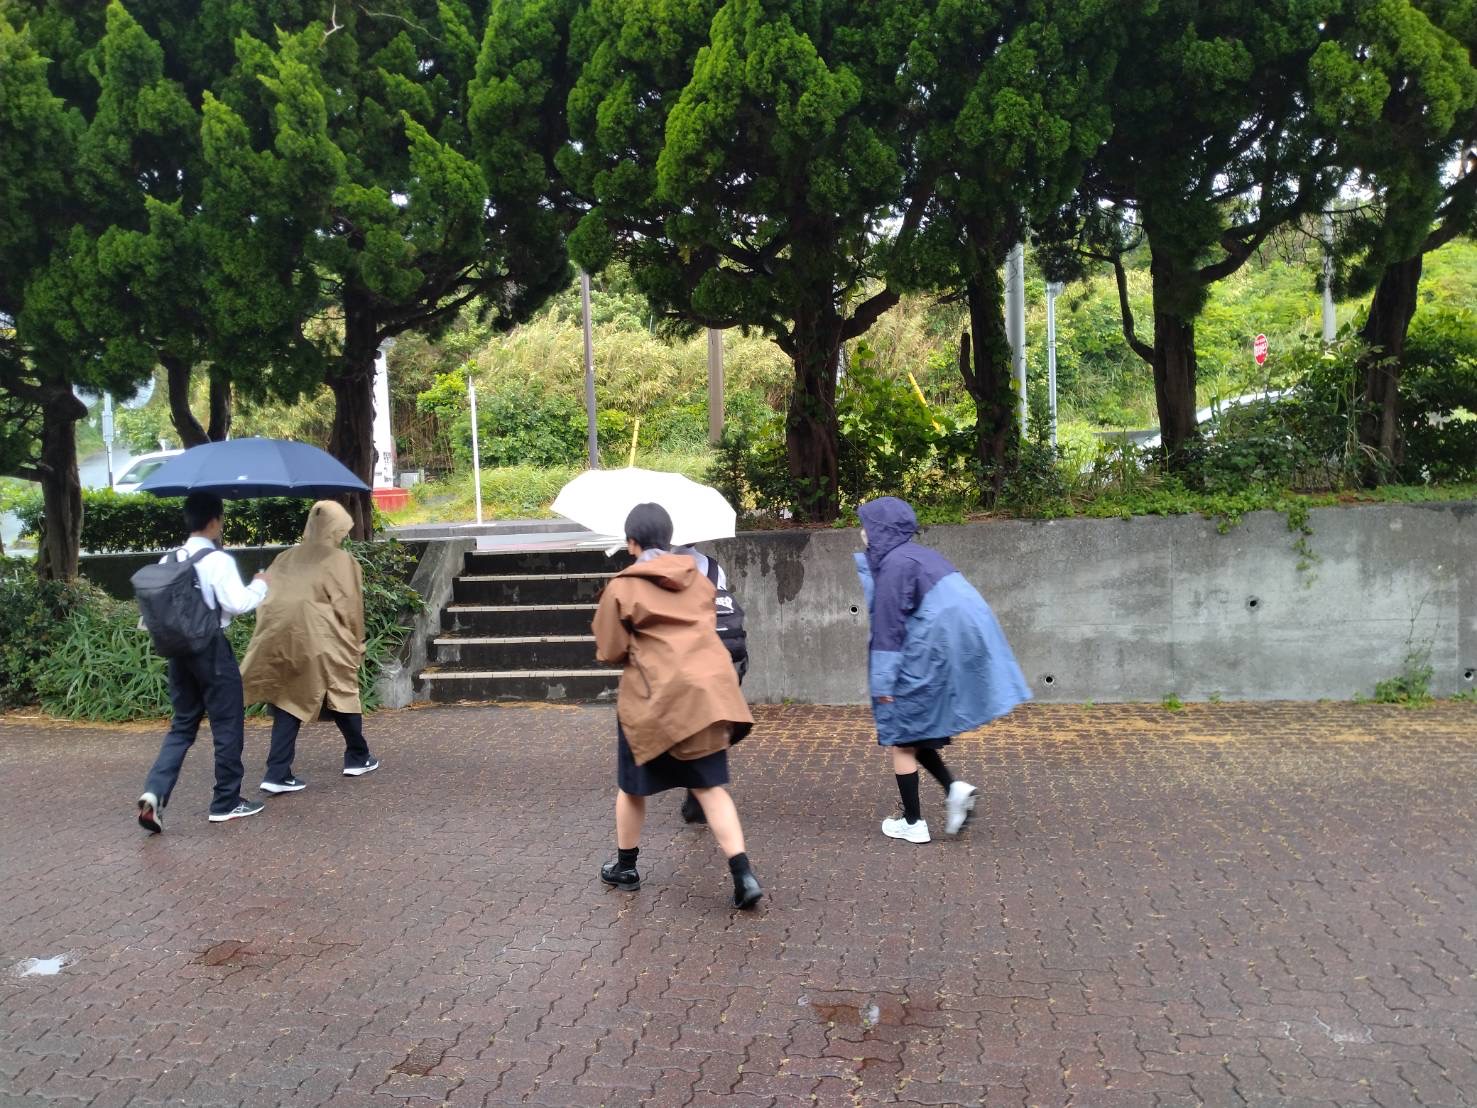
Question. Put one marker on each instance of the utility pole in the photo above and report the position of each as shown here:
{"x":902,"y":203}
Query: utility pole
{"x":1330,"y":313}
{"x":591,"y":434}
{"x":715,"y":386}
{"x":1053,"y":290}
{"x":1015,"y":322}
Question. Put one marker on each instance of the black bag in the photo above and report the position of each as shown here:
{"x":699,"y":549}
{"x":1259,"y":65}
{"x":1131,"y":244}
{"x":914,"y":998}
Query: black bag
{"x":173,"y":608}
{"x":730,"y":623}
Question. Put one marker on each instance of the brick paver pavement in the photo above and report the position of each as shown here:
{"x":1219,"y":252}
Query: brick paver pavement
{"x":1262,"y":904}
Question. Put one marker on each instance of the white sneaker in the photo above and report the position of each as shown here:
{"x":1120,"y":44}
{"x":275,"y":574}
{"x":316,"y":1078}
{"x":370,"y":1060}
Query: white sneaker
{"x":960,"y":803}
{"x":900,"y":828}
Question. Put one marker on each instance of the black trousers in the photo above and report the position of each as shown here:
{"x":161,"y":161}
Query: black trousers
{"x":204,"y":684}
{"x":285,"y":727}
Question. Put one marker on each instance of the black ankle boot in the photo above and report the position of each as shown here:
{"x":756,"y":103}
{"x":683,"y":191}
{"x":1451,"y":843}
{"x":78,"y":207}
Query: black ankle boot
{"x":692,"y":811}
{"x":622,"y":872}
{"x":746,"y":890}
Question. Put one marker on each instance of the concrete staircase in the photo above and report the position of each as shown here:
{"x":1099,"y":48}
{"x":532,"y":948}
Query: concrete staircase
{"x":518,"y":628}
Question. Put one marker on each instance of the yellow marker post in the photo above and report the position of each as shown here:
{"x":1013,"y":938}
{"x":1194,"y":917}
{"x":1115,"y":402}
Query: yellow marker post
{"x":919,"y":393}
{"x":635,"y":431}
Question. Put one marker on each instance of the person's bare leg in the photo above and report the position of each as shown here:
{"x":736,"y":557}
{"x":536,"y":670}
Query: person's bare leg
{"x":630,"y":817}
{"x":723,"y":819}
{"x":903,"y":760}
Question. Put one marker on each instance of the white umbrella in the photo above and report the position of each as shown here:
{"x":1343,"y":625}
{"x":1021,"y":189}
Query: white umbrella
{"x":600,"y":500}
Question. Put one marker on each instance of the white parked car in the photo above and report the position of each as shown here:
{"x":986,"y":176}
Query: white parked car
{"x":139,"y":469}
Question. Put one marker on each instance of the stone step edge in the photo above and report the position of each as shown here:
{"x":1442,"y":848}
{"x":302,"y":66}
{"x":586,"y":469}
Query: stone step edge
{"x":506,"y":640}
{"x":495,"y":674}
{"x":520,"y":608}
{"x":484,"y":578}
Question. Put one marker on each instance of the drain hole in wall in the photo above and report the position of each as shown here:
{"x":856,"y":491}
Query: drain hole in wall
{"x":1254,"y":603}
{"x":1049,"y":679}
{"x":1469,"y":675}
{"x":853,"y":609}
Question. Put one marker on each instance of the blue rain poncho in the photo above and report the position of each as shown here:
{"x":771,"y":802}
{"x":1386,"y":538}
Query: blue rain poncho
{"x":936,"y":647}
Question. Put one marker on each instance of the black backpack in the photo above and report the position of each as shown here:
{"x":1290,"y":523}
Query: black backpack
{"x":730,"y":622}
{"x":173,"y":608}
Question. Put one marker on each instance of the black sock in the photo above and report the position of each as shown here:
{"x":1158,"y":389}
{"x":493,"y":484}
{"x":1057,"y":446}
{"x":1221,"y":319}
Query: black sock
{"x":932,"y":761}
{"x":738,"y":864}
{"x":907,"y":784}
{"x":627,"y":858}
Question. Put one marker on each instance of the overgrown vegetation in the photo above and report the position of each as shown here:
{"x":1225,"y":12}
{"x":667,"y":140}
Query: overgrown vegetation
{"x":79,"y":654}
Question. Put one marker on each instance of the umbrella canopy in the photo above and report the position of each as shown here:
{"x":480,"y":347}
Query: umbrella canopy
{"x":600,"y":499}
{"x":242,"y":469}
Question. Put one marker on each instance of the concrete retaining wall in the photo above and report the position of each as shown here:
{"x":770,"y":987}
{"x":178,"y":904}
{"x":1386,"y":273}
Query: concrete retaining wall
{"x":1137,"y":609}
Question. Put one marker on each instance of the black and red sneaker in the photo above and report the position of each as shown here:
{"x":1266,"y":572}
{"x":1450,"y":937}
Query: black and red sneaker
{"x":150,"y":813}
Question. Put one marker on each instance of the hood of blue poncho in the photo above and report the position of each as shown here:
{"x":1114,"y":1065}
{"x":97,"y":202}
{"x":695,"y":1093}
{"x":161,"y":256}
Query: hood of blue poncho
{"x":889,"y":522}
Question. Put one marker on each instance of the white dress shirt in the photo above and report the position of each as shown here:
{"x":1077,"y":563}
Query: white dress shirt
{"x":220,"y":580}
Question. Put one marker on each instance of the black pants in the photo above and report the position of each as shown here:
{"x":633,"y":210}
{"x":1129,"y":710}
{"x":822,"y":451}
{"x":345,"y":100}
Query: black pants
{"x":204,"y":684}
{"x":285,"y":727}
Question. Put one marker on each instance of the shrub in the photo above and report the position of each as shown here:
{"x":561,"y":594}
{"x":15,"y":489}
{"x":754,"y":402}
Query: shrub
{"x":36,"y":617}
{"x":81,"y":654}
{"x":1439,"y":397}
{"x":114,"y":522}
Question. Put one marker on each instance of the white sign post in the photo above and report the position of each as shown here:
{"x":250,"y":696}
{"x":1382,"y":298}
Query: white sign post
{"x":476,"y":453}
{"x":384,"y":437}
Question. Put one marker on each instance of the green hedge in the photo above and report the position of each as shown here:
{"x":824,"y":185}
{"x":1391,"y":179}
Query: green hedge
{"x":116,"y":522}
{"x":80,"y":655}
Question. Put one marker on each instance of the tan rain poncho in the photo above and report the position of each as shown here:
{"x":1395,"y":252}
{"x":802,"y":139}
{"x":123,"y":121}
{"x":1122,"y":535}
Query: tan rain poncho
{"x":309,"y":638}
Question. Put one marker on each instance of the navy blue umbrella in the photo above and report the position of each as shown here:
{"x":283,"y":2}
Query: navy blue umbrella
{"x":242,"y":469}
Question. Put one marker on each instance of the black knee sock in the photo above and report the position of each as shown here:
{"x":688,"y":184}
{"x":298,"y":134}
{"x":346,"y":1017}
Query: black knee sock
{"x":907,"y":785}
{"x":934,"y":763}
{"x":738,"y":864}
{"x":627,"y":858}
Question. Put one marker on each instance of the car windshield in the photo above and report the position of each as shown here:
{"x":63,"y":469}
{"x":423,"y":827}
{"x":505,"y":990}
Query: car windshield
{"x":136,"y":473}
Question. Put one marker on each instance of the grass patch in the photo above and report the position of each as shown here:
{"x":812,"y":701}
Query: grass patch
{"x":519,"y":492}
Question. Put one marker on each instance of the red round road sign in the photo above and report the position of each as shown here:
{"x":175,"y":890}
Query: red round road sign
{"x":1259,"y":349}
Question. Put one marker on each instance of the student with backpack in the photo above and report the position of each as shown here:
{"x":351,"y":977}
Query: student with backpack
{"x":679,"y":708}
{"x":730,"y":631}
{"x":187,"y":602}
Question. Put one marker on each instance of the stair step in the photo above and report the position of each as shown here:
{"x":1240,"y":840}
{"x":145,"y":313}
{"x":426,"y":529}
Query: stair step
{"x":449,"y":686}
{"x":514,"y":652}
{"x":528,"y":589}
{"x":586,"y":560}
{"x":516,"y":619}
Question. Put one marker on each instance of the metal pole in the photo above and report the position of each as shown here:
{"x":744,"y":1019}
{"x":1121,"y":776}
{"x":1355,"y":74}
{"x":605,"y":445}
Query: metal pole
{"x":476,"y":452}
{"x":1053,"y":290}
{"x":1330,"y":313}
{"x":590,"y":430}
{"x":108,"y":433}
{"x":715,"y":386}
{"x":1015,"y":322}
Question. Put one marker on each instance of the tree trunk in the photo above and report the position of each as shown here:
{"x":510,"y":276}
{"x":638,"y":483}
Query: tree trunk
{"x":1174,"y":360}
{"x":61,"y":487}
{"x":810,"y":427}
{"x":1384,"y":331}
{"x":352,"y":439}
{"x":984,"y":363}
{"x":220,"y":408}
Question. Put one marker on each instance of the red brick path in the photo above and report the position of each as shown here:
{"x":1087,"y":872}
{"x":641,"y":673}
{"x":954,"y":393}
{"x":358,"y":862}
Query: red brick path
{"x":1234,"y":904}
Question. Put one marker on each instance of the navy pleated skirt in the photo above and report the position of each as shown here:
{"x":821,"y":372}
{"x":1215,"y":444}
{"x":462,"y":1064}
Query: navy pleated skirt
{"x":666,"y":772}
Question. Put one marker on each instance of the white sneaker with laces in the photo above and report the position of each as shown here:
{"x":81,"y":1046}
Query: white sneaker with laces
{"x":960,"y":803}
{"x":900,"y":828}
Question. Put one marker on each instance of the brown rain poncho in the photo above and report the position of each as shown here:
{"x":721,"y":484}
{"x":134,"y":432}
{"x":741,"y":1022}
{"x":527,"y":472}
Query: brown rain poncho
{"x":309,"y":637}
{"x":679,"y":692}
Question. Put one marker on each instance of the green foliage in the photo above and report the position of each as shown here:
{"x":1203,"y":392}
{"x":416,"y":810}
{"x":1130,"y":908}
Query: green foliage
{"x":1172,"y":703}
{"x":80,"y":654}
{"x":115,"y":522}
{"x":36,"y":612}
{"x":1411,"y":687}
{"x":1439,"y":397}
